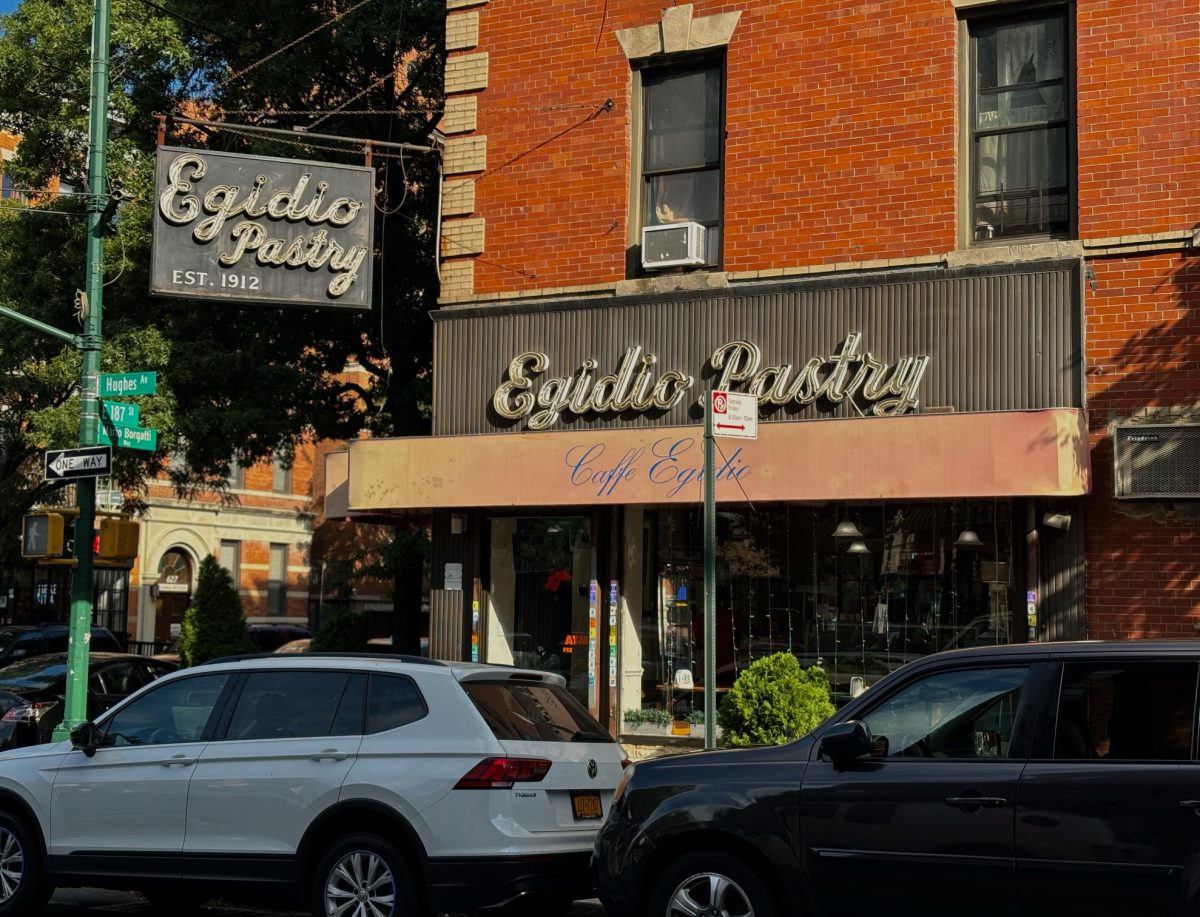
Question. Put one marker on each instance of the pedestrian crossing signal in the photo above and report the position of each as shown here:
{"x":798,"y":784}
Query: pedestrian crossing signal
{"x":118,"y":539}
{"x":42,"y":535}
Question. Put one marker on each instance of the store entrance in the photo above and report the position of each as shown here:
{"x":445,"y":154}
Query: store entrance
{"x":539,"y":595}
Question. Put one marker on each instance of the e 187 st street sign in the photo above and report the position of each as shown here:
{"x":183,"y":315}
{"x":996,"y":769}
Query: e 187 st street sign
{"x":85,"y":462}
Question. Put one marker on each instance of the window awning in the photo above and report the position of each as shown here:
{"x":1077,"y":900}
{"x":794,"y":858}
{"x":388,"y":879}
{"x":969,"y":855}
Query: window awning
{"x":916,"y":457}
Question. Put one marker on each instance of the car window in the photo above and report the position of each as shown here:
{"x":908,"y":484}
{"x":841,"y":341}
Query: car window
{"x":38,"y":670}
{"x":1126,"y":711}
{"x":57,"y":641}
{"x":533,"y":712}
{"x":394,"y":701}
{"x":174,"y":712}
{"x":156,"y":669}
{"x":28,"y":645}
{"x":287,"y":705}
{"x":968,"y":713}
{"x":348,"y":721}
{"x":120,"y":678}
{"x":104,"y":642}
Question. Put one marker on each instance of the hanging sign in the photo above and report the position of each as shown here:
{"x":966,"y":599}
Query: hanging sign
{"x":258,"y":229}
{"x":735,"y":415}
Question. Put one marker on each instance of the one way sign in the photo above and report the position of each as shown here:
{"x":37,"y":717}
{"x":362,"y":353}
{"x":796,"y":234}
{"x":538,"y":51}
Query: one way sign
{"x":86,"y":462}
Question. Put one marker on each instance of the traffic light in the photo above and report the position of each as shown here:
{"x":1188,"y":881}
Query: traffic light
{"x":42,"y":535}
{"x":118,"y":539}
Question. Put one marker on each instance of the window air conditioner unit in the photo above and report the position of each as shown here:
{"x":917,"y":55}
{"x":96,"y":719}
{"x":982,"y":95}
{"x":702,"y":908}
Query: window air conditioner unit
{"x":1157,"y":461}
{"x":673,"y":245}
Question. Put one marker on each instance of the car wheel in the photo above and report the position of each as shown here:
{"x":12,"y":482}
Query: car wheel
{"x":711,"y":883}
{"x":23,"y":885}
{"x":370,"y":872}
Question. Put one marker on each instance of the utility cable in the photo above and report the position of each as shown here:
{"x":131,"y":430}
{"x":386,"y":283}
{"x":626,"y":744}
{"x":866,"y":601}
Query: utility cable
{"x":291,"y":44}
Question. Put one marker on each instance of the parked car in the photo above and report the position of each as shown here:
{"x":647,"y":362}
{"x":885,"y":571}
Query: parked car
{"x":296,"y":646}
{"x":21,"y":641}
{"x":33,"y":691}
{"x":267,"y":638}
{"x":1033,"y":778}
{"x":332,"y":779}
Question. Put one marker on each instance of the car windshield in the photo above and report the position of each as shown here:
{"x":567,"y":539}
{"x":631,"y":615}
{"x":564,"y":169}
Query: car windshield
{"x":38,"y":670}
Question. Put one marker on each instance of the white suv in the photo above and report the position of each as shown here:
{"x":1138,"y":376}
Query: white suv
{"x":378,"y":786}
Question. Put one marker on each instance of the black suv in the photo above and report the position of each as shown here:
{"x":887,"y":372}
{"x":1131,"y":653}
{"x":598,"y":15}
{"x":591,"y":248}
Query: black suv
{"x":25,"y":641}
{"x":1027,"y":779}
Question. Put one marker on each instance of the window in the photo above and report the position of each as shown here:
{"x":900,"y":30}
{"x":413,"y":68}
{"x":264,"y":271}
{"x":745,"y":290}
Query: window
{"x":277,"y":580}
{"x":1021,"y":127}
{"x":395,"y":701}
{"x":1137,"y":711}
{"x":288,"y":705}
{"x":231,"y":553}
{"x":8,"y":191}
{"x":962,"y":714}
{"x":682,"y":150}
{"x":119,"y":679}
{"x":533,"y":713}
{"x":281,"y":478}
{"x":175,"y":712}
{"x":237,"y":474}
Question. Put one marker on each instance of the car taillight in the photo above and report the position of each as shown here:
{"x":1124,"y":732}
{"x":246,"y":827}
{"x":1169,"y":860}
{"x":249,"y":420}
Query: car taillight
{"x":29,"y":713}
{"x":502,"y":773}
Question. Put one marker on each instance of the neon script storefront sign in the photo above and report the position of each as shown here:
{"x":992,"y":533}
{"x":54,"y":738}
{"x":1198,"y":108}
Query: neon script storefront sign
{"x":850,"y":374}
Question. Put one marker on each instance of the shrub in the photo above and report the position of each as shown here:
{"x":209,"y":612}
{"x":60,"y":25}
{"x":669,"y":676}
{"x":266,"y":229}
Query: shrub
{"x":345,"y":632}
{"x":774,"y":701}
{"x":213,"y":626}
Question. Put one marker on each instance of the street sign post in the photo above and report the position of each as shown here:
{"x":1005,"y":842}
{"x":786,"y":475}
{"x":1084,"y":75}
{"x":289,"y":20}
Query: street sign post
{"x":735,"y":414}
{"x":72,"y":464}
{"x":128,"y":384}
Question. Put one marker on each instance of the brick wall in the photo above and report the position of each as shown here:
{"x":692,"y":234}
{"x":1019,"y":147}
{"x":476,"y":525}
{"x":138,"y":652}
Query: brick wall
{"x":1143,"y":336}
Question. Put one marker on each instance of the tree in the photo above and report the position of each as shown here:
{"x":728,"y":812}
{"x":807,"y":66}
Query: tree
{"x":235,"y":381}
{"x":345,"y":632}
{"x":213,"y":626}
{"x":774,"y":701}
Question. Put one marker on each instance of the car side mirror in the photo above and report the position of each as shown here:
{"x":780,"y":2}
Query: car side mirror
{"x":847,"y":741}
{"x":85,"y":737}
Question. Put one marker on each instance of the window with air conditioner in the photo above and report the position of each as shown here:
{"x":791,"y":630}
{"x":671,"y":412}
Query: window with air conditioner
{"x":1022,"y":128}
{"x":681,"y":166}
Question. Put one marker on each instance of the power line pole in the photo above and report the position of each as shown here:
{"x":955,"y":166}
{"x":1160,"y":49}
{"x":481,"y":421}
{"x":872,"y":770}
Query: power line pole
{"x":89,"y":392}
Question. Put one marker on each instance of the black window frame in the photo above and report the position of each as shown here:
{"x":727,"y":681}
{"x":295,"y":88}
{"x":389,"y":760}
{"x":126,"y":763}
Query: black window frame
{"x":659,"y":68}
{"x":1069,"y":122}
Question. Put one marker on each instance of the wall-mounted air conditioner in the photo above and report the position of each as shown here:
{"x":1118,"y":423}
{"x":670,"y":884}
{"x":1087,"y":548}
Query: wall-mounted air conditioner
{"x":1157,"y":461}
{"x":672,"y":245}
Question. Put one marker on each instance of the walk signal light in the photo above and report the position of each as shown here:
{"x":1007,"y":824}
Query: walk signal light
{"x":42,"y":535}
{"x":118,"y":539}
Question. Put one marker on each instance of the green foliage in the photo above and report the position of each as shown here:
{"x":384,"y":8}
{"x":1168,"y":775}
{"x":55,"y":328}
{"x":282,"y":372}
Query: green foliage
{"x":653,"y":716}
{"x":249,"y":381}
{"x":774,"y":701}
{"x":213,"y":626}
{"x":345,"y":632}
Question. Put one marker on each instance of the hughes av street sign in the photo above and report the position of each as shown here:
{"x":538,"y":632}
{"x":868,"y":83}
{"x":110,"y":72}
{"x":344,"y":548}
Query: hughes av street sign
{"x":86,"y":462}
{"x":128,"y":384}
{"x":282,"y":232}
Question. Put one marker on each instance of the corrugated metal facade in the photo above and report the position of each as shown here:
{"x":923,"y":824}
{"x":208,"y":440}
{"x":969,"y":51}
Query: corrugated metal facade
{"x":998,"y":339}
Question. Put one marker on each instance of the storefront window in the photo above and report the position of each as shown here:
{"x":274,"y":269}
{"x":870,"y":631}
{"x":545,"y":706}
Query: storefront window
{"x":859,"y":590}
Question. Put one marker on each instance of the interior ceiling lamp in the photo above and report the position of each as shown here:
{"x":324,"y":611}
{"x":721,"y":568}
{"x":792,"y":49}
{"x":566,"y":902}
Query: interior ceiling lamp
{"x":968,"y":539}
{"x":858,"y":546}
{"x":847,"y":529}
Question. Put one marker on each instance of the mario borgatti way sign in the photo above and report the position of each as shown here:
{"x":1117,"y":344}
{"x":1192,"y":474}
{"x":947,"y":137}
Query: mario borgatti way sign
{"x":259,"y":229}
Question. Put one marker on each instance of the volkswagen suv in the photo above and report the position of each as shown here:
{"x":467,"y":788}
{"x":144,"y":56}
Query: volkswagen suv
{"x":401,"y":784}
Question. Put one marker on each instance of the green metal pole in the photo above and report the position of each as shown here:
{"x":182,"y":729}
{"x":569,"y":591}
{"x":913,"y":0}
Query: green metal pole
{"x":710,"y":584}
{"x":89,"y":406}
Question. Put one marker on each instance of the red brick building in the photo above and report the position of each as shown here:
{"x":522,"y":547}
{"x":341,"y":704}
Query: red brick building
{"x":953,"y":246}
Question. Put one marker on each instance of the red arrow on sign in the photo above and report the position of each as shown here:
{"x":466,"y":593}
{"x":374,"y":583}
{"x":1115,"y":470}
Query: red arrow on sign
{"x":731,"y":426}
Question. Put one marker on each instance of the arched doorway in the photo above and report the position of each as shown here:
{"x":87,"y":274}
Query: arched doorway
{"x":173,"y":594}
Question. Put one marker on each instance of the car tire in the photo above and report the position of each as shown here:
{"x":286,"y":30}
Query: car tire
{"x":365,"y":864}
{"x":23,"y":886}
{"x":739,"y":890}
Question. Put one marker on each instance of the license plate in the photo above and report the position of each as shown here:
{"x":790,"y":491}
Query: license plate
{"x":586,"y":805}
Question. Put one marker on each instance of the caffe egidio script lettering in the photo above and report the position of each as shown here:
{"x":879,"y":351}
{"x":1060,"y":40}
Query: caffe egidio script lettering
{"x":215,"y":217}
{"x":850,"y":374}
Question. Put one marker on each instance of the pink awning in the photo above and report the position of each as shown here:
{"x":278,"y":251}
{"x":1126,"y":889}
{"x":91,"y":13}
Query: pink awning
{"x":917,"y":457}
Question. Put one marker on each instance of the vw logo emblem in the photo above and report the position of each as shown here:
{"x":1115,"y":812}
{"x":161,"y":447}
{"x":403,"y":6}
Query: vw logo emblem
{"x":592,"y":768}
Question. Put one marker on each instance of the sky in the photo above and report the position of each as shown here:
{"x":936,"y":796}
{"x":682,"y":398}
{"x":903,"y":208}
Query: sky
{"x":7,"y":6}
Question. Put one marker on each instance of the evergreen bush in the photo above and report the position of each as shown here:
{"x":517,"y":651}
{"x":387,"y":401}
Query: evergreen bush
{"x":774,"y":701}
{"x":345,"y":632}
{"x":213,"y":626}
